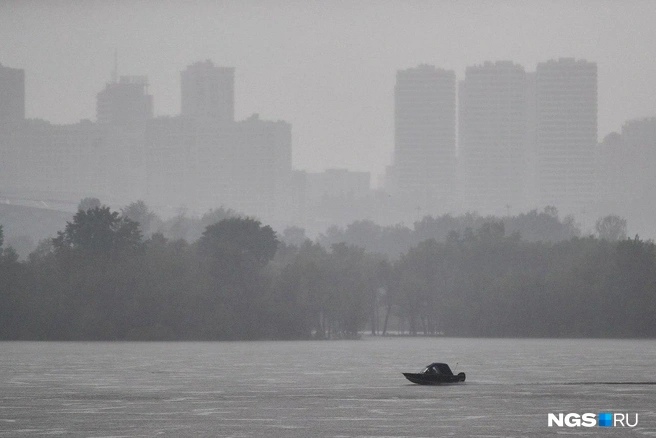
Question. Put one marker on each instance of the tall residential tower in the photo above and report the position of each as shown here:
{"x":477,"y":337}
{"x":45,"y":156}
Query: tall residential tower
{"x":493,"y":147}
{"x":566,"y":133}
{"x":425,"y":137}
{"x":125,"y":103}
{"x":208,"y":92}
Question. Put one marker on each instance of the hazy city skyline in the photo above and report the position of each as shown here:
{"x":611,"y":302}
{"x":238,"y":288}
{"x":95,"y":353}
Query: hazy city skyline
{"x":217,"y":216}
{"x":327,"y":68}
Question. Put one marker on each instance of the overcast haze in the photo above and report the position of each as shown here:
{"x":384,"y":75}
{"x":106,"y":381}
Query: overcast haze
{"x":153,"y":222}
{"x":326,"y":67}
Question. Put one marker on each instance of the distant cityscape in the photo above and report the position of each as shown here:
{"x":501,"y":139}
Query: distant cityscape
{"x":500,"y":141}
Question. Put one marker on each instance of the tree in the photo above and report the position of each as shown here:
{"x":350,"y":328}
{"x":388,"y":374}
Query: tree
{"x":235,"y":252}
{"x":294,"y":236}
{"x":537,"y":226}
{"x":550,"y":210}
{"x":99,"y":231}
{"x":242,"y":240}
{"x":303,"y":290}
{"x":611,"y":228}
{"x":139,"y":212}
{"x":88,"y":204}
{"x":353,"y":288}
{"x":217,"y":215}
{"x":191,"y":228}
{"x":10,"y":295}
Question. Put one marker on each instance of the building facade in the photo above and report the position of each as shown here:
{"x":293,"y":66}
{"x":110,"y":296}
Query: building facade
{"x":208,"y":92}
{"x":196,"y":161}
{"x":626,"y":174}
{"x":493,"y":140}
{"x":566,"y":134}
{"x":425,"y":138}
{"x":125,"y":103}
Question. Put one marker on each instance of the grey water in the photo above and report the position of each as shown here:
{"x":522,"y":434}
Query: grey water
{"x":322,"y":389}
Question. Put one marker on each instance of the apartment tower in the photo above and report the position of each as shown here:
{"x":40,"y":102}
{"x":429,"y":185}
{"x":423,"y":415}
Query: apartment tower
{"x":208,"y":92}
{"x":566,"y":134}
{"x":425,"y":140}
{"x":493,"y":146}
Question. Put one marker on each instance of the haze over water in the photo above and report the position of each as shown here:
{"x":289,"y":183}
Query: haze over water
{"x":326,"y":389}
{"x":447,"y":161}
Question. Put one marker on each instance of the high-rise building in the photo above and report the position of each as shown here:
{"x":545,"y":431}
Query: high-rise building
{"x":56,"y":162}
{"x":12,"y":96}
{"x":261,"y":166}
{"x":493,"y":142}
{"x":627,"y":179}
{"x":125,"y":103}
{"x":190,"y":161}
{"x":639,"y":159}
{"x":208,"y":92}
{"x":425,"y":138}
{"x":566,"y":133}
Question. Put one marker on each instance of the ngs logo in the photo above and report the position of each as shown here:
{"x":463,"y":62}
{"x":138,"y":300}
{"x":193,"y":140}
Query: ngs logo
{"x":604,"y":419}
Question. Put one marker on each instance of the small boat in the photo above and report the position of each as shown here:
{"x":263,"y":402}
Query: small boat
{"x":435,"y":374}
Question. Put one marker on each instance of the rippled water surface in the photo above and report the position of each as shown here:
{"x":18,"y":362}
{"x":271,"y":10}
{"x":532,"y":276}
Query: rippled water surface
{"x":322,"y":389}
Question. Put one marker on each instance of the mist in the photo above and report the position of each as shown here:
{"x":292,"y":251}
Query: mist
{"x":261,"y":218}
{"x":328,"y":68}
{"x":373,"y":134}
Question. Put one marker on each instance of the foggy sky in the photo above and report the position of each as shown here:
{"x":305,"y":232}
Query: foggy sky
{"x":326,"y":67}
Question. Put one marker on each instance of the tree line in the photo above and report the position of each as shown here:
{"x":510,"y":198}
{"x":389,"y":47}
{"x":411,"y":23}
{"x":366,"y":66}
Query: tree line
{"x":103,"y":278}
{"x":394,"y":240}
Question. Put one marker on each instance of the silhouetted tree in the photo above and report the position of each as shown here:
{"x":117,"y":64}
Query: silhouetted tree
{"x":545,"y":226}
{"x":235,"y":251}
{"x":217,"y":215}
{"x":190,"y":228}
{"x":88,"y":204}
{"x":139,"y":212}
{"x":302,"y":291}
{"x":353,"y":289}
{"x":294,"y":236}
{"x":99,"y":231}
{"x":475,"y":281}
{"x":11,"y":296}
{"x":611,"y":228}
{"x":242,"y":240}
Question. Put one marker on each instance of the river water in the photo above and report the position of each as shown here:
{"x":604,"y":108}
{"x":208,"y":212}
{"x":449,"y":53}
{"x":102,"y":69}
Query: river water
{"x":322,"y":389}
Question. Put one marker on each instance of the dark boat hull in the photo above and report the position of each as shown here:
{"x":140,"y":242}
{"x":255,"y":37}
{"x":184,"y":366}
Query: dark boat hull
{"x":434,"y":379}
